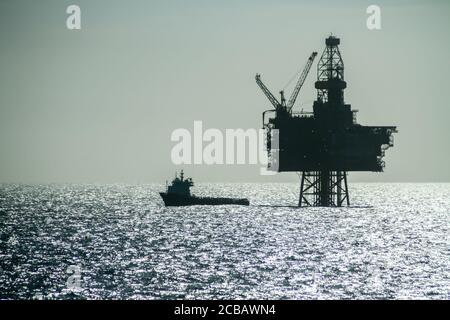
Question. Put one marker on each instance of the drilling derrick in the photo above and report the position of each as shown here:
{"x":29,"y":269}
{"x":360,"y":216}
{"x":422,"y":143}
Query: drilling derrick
{"x":325,"y":144}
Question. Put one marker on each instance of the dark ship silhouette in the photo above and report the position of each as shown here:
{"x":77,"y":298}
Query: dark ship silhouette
{"x":179,"y":194}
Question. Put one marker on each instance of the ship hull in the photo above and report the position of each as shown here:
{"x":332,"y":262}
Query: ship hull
{"x":175,"y":200}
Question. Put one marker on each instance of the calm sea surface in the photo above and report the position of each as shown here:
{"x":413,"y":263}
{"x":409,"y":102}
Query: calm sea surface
{"x":120,"y":242}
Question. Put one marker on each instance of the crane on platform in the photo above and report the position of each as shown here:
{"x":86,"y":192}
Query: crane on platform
{"x":269,"y":94}
{"x":282,"y":105}
{"x":300,"y":81}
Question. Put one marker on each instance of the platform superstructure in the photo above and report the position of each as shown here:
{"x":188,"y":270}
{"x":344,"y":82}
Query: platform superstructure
{"x":326,"y":144}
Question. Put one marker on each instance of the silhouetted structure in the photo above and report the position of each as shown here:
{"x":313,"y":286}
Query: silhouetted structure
{"x":327,"y":143}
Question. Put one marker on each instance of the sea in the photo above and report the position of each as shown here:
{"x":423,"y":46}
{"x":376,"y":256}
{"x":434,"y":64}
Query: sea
{"x":120,"y":242}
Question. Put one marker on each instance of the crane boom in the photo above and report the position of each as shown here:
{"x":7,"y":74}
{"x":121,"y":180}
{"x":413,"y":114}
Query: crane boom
{"x":266,"y":91}
{"x":300,"y":81}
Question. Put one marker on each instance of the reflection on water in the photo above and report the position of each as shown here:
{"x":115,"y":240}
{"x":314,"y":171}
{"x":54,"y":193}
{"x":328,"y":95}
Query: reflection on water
{"x":119,"y":242}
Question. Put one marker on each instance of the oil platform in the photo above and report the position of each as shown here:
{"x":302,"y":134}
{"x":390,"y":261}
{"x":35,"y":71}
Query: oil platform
{"x":327,"y":143}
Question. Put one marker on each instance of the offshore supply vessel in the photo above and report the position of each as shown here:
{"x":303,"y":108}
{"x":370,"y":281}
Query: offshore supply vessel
{"x":179,"y":194}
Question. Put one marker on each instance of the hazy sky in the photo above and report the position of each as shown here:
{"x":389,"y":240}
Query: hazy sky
{"x":99,"y":104}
